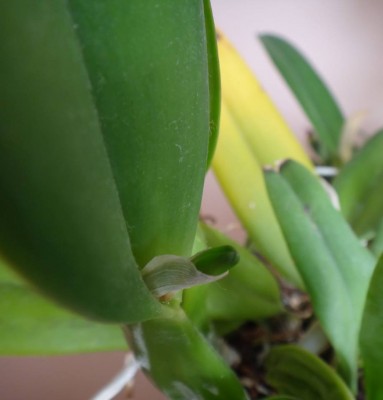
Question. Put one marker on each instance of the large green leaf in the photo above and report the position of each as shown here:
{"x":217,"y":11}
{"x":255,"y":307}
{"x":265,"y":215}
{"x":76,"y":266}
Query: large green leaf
{"x":359,"y":186}
{"x":310,"y":90}
{"x":335,"y":267}
{"x":61,"y":223}
{"x":150,"y":81}
{"x":371,"y":336}
{"x":296,"y":372}
{"x":104,"y":136}
{"x":183,"y":365}
{"x":32,"y":325}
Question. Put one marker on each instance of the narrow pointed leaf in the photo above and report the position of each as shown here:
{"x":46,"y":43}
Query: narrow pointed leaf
{"x":266,"y":133}
{"x":371,"y":338}
{"x":245,"y":189}
{"x":296,"y":372}
{"x":359,"y":186}
{"x":334,"y":266}
{"x":310,"y":90}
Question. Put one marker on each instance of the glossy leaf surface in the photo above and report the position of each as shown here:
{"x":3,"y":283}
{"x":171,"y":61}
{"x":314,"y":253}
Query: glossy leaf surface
{"x":334,"y":266}
{"x":359,"y":186}
{"x":150,"y":78}
{"x":296,"y":372}
{"x":59,"y":205}
{"x":371,"y":338}
{"x":111,"y":108}
{"x":310,"y":90}
{"x":216,"y":260}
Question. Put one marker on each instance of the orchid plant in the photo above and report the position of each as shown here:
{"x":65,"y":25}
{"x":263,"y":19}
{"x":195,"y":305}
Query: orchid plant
{"x":110,"y":120}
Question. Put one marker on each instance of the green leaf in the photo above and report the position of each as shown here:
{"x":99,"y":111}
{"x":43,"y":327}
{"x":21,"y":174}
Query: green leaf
{"x":310,"y":90}
{"x":216,"y":260}
{"x":246,"y":191}
{"x":371,"y":337}
{"x":194,"y":299}
{"x":104,"y":138}
{"x":296,"y":372}
{"x":61,"y":223}
{"x":7,"y":275}
{"x":32,"y":325}
{"x":377,"y":244}
{"x":150,"y":79}
{"x":335,"y":267}
{"x":214,"y":79}
{"x":183,"y":365}
{"x":168,"y":273}
{"x":249,"y":291}
{"x":281,"y":398}
{"x":359,"y":186}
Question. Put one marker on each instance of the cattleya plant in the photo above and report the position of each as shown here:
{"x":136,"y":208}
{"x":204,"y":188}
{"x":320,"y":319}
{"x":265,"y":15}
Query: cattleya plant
{"x":109,"y":122}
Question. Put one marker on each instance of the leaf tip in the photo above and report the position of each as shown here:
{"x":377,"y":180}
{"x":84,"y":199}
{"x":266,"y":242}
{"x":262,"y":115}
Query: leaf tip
{"x":277,"y":166}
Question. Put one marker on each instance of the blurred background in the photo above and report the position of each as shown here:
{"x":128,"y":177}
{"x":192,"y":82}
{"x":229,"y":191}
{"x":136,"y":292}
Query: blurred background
{"x":343,"y":40}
